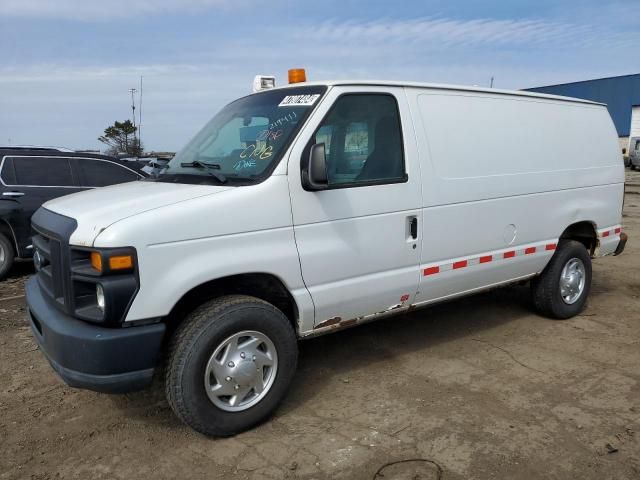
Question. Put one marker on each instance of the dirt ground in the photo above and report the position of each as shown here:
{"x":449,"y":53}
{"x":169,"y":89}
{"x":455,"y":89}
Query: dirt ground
{"x":478,"y":388}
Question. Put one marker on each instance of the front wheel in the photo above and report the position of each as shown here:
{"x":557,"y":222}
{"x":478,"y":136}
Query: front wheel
{"x":230,"y":364}
{"x":561,"y":290}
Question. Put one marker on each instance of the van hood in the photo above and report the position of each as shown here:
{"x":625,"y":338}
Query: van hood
{"x":96,"y":209}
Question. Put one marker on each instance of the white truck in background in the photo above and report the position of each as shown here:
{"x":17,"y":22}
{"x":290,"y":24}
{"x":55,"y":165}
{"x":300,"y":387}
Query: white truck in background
{"x":304,"y":209}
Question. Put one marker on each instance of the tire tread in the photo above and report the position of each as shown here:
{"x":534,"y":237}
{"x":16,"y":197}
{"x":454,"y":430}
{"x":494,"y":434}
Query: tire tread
{"x":544,"y":288}
{"x":180,"y":347}
{"x":11,"y":253}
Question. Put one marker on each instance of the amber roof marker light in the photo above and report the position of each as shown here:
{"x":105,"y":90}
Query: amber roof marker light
{"x":297,"y":75}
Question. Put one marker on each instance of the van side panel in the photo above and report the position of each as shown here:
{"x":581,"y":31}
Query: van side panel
{"x":507,"y":175}
{"x":485,"y":146}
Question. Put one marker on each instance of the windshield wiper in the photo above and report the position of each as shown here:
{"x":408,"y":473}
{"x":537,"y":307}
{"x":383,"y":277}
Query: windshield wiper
{"x":211,"y":167}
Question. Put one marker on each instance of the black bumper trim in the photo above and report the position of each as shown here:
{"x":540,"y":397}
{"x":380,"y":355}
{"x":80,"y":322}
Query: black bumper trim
{"x":89,"y":356}
{"x":621,"y":244}
{"x":116,"y":383}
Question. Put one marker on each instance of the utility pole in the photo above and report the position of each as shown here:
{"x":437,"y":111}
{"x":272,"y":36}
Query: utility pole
{"x":133,"y":111}
{"x":133,"y":105}
{"x":491,"y":86}
{"x":140,"y":115}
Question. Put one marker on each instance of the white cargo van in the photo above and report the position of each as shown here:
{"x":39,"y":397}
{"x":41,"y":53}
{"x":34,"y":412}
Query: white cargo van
{"x":301,"y":210}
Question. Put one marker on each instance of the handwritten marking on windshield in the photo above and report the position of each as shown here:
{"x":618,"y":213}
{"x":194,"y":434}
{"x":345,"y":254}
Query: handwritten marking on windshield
{"x":289,"y":117}
{"x":269,"y":135}
{"x":253,"y":151}
{"x":273,"y":132}
{"x":242,"y":164}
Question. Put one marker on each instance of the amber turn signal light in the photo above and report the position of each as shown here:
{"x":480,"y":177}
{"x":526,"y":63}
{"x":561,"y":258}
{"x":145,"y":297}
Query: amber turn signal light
{"x":297,"y":75}
{"x":121,"y":262}
{"x":96,"y":261}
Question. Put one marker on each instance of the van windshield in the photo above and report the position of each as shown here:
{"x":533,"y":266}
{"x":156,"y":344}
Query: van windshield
{"x":244,"y":142}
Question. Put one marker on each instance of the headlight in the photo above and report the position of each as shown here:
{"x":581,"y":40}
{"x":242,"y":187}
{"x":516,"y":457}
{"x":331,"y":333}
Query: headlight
{"x":100,"y":296}
{"x":104,"y":283}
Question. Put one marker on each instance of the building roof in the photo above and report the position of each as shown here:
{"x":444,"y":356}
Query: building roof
{"x":615,"y":77}
{"x":618,"y":93}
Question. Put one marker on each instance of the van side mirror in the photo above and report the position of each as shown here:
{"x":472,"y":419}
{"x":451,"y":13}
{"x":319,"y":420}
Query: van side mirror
{"x":314,"y":176}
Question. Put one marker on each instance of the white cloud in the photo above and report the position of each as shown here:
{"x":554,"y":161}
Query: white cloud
{"x":56,"y":73}
{"x":439,"y":33}
{"x":105,"y":9}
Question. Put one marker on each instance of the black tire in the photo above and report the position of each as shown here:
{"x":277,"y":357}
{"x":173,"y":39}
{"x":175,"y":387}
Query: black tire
{"x":7,"y":255}
{"x":545,"y":289}
{"x":194,"y":343}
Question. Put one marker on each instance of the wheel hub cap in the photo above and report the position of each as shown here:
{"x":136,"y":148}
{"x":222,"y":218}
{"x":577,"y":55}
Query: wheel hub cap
{"x":572,"y":281}
{"x":241,"y":371}
{"x":246,"y":373}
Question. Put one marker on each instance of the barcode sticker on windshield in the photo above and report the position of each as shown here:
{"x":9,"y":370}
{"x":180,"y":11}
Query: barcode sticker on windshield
{"x":299,"y":100}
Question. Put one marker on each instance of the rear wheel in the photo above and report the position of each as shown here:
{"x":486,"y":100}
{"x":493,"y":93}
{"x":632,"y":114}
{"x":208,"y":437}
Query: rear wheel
{"x":230,"y":364}
{"x":561,"y":290}
{"x":7,"y":254}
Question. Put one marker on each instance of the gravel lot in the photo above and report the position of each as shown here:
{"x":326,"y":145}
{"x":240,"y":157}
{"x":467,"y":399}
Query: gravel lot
{"x":477,"y":388}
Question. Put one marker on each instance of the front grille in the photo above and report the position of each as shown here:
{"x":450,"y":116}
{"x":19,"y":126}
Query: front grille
{"x":51,"y":234}
{"x":47,"y":260}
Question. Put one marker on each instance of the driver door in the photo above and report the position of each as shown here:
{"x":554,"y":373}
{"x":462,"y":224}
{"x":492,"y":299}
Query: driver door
{"x":358,"y":241}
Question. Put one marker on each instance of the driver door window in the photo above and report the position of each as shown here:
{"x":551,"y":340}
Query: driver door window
{"x":363,"y":141}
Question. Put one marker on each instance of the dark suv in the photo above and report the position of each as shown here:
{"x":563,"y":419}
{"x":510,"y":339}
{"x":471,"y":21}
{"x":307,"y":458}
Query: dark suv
{"x":31,"y":176}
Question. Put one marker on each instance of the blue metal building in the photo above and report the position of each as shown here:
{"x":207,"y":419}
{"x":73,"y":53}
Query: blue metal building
{"x":619,"y":93}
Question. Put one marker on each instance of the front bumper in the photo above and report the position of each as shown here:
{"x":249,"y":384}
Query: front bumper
{"x":111,"y":360}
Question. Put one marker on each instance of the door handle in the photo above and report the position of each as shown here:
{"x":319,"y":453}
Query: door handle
{"x":413,"y":227}
{"x":12,"y":194}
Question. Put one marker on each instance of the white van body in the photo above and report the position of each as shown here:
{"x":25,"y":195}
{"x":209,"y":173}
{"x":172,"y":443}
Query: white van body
{"x":535,"y":164}
{"x":368,"y":206}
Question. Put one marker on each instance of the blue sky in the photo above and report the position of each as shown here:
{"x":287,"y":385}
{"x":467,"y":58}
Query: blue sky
{"x":67,"y":65}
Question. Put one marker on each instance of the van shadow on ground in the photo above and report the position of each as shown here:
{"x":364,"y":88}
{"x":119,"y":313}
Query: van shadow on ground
{"x":345,"y":352}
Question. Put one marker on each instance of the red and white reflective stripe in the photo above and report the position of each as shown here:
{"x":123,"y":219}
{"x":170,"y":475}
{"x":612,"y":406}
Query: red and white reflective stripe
{"x":610,"y":231}
{"x":503,"y":255}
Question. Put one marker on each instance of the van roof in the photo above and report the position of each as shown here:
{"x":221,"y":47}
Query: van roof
{"x":440,"y":86}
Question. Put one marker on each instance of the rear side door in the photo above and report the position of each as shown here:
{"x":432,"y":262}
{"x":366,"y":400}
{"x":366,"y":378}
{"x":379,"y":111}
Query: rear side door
{"x":357,"y":241}
{"x":95,"y":172}
{"x":30,"y":181}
